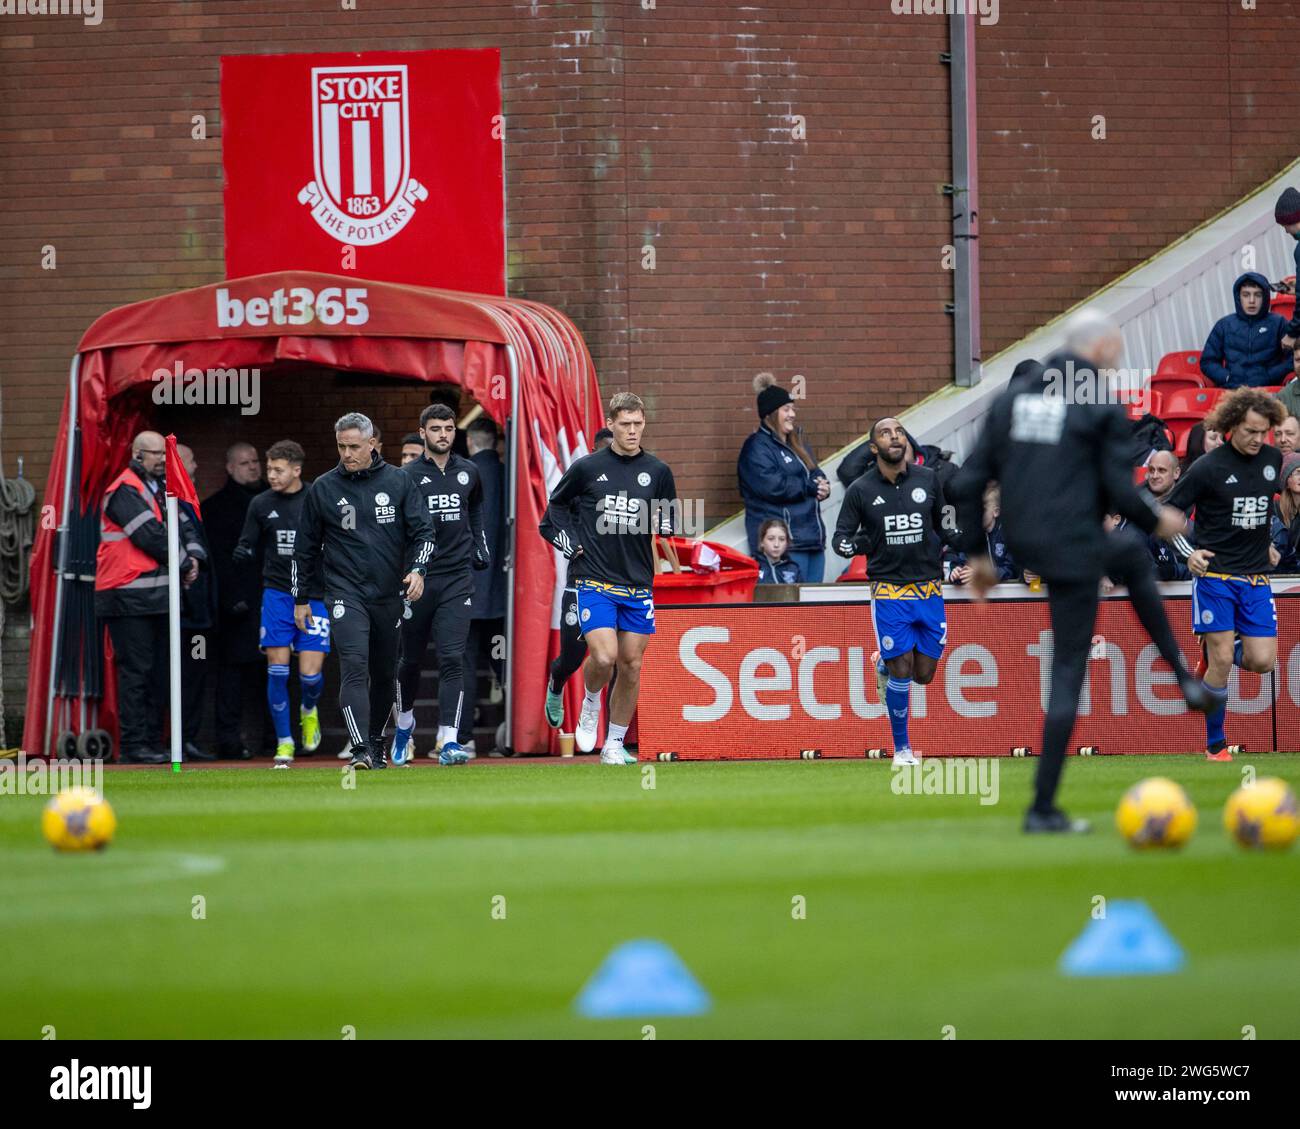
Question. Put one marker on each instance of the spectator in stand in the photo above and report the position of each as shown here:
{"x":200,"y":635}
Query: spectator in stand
{"x":1001,"y":557}
{"x":1286,"y":436}
{"x":1290,"y":394}
{"x":1201,"y":440}
{"x":1287,"y":213}
{"x":1245,"y":348}
{"x":774,"y":565}
{"x":412,"y":448}
{"x":1286,"y":516}
{"x":780,"y":478}
{"x":1162,"y":472}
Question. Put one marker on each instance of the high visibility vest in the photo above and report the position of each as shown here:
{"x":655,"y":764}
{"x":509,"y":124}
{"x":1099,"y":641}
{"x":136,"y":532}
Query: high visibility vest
{"x":119,"y":562}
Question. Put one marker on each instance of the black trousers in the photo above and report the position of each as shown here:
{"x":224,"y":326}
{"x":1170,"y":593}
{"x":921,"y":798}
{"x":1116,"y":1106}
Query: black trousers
{"x":240,"y":697}
{"x":443,"y":614}
{"x":140,"y":651}
{"x":1073,"y":604}
{"x":483,"y":636}
{"x":365,"y":639}
{"x":194,"y":685}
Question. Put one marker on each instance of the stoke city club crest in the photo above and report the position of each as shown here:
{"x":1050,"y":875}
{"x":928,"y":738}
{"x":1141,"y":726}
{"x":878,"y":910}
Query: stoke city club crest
{"x":364,"y":192}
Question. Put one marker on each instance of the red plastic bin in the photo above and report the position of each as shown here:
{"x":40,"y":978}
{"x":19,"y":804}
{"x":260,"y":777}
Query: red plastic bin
{"x":733,"y":583}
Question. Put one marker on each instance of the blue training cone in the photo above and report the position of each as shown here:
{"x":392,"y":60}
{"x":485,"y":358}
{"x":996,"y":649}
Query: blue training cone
{"x":1128,"y":941}
{"x":641,"y":979}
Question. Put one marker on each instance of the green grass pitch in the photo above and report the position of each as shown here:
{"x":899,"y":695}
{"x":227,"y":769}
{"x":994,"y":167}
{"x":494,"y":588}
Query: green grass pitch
{"x":372,"y":908}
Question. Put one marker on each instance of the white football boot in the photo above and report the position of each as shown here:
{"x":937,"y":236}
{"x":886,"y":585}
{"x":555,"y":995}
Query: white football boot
{"x":585,"y":735}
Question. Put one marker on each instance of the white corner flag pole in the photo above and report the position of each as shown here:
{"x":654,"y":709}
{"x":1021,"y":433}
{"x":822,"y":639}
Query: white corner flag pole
{"x":174,"y":623}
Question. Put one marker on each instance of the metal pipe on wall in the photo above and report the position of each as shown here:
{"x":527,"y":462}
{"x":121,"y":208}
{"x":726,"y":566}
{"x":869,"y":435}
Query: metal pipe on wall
{"x":965,"y":202}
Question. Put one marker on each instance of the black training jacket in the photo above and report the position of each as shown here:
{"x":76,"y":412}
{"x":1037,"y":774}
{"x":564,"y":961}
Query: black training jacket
{"x":453,"y":497}
{"x":609,"y":505}
{"x":360,"y":533}
{"x":1063,"y":462}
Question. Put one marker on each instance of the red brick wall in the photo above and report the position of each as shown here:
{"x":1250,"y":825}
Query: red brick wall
{"x":669,"y":127}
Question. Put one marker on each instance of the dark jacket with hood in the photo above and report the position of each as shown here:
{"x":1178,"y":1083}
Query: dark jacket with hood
{"x":784,"y":571}
{"x":1244,"y":351}
{"x":774,"y":483}
{"x":238,"y":583}
{"x":1063,"y":464}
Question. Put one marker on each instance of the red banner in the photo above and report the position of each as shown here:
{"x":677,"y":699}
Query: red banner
{"x":386,"y":164}
{"x":765,"y":681}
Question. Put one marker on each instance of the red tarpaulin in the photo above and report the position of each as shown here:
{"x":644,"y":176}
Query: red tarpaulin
{"x":520,"y":360}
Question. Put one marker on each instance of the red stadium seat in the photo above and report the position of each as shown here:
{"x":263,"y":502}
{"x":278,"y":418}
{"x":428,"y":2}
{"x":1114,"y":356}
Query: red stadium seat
{"x":857,"y":571}
{"x":1167,"y":382}
{"x":1182,"y":363}
{"x":1283,"y":304}
{"x":1139,"y":401}
{"x":1190,"y":403}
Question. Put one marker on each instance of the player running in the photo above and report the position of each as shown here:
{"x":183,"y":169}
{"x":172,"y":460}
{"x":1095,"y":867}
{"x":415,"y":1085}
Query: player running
{"x":453,"y":496}
{"x":573,"y":647}
{"x":363,"y":526}
{"x":1059,"y":447}
{"x":602,"y":515}
{"x":895,"y":514}
{"x":1232,"y":491}
{"x":269,"y":531}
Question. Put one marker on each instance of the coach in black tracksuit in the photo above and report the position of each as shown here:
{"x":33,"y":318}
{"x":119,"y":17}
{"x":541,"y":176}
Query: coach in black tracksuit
{"x":452,"y":494}
{"x":1062,"y":460}
{"x":364,"y":541}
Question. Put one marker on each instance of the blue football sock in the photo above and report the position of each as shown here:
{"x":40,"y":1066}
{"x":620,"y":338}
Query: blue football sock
{"x":311,"y":686}
{"x":1236,"y":653}
{"x":1214,"y":723}
{"x":277,"y":697}
{"x":897,"y":696}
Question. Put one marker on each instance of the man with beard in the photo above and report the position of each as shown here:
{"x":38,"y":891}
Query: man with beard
{"x":895,"y":514}
{"x":452,"y":495}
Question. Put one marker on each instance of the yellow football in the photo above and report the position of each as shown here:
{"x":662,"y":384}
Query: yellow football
{"x":78,"y":819}
{"x":1263,"y":814}
{"x":1156,"y":813}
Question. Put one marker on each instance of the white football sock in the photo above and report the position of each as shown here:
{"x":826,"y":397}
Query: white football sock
{"x":614,"y":734}
{"x":590,"y":699}
{"x":406,"y":719}
{"x":446,"y":733}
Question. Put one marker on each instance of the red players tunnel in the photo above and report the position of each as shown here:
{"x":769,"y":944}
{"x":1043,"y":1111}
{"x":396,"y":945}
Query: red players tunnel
{"x":523,"y":362}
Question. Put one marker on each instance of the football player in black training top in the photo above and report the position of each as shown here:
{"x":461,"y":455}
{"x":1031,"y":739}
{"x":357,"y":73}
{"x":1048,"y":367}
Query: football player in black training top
{"x":603,"y":515}
{"x":449,"y":485}
{"x":1232,"y":491}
